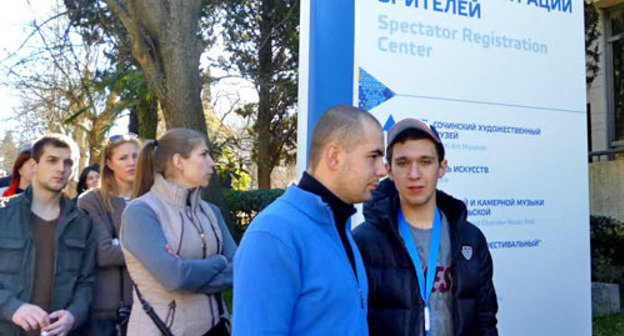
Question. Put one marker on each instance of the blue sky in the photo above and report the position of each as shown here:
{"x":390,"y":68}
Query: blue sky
{"x":13,"y":19}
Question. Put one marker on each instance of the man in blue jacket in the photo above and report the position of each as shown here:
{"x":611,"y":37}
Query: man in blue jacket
{"x":297,"y":270}
{"x":429,"y":269}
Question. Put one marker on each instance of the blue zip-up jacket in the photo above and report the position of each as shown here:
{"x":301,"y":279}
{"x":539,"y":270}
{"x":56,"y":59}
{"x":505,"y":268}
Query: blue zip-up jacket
{"x":292,"y":275}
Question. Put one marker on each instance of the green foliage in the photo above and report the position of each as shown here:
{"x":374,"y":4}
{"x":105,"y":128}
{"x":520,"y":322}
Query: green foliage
{"x":592,"y":34}
{"x":231,"y":168}
{"x":243,"y":206}
{"x":607,"y":250}
{"x":131,"y":86}
{"x":228,"y":298}
{"x":226,"y":145}
{"x":610,"y":325}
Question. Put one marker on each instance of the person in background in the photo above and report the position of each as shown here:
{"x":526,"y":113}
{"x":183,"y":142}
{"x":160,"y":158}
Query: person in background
{"x":105,"y":205}
{"x":178,"y":248}
{"x":5,"y":181}
{"x":89,"y":179}
{"x":47,"y":251}
{"x":22,"y":172}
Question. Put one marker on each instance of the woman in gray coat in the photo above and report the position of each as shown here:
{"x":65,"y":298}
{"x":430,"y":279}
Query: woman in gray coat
{"x":113,"y":288}
{"x":178,"y":249}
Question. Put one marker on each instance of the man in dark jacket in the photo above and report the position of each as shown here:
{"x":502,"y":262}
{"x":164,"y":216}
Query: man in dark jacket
{"x":47,"y":250}
{"x":429,"y":269}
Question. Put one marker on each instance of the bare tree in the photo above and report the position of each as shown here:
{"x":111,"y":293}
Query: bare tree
{"x":55,"y":74}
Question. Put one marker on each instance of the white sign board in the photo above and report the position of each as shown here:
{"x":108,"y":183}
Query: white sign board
{"x":503,"y":82}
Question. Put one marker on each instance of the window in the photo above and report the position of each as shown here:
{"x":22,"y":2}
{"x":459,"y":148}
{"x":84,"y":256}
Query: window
{"x":615,"y":40}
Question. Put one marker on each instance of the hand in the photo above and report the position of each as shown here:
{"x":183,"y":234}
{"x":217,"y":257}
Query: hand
{"x":64,"y":323}
{"x":30,"y":317}
{"x":170,"y":251}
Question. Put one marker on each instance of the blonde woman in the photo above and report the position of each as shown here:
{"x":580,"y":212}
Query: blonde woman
{"x":113,"y":289}
{"x":178,"y":249}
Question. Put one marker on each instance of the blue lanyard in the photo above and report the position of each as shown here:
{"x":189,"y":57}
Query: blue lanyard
{"x":425,"y":287}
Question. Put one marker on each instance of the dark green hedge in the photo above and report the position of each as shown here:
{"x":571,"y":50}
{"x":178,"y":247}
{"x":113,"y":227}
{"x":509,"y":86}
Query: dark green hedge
{"x":243,"y":206}
{"x":607,"y":250}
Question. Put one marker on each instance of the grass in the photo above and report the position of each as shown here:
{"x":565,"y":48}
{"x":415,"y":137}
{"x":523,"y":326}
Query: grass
{"x":610,"y":325}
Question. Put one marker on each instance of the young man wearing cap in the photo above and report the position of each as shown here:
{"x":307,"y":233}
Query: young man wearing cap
{"x":47,"y":250}
{"x":429,"y":269}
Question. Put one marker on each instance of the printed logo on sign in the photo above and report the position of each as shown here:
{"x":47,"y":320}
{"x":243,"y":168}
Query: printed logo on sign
{"x":467,"y":252}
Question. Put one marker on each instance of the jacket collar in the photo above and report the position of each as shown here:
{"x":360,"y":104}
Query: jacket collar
{"x":340,"y":209}
{"x":67,"y":213}
{"x":67,"y":206}
{"x":385,"y":203}
{"x":175,"y":194}
{"x":309,"y":203}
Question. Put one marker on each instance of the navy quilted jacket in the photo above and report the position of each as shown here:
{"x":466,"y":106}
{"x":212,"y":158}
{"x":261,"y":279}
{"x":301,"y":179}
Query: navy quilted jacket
{"x":395,"y":304}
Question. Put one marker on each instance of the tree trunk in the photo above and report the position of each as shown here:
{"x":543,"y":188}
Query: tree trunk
{"x":80,"y":136}
{"x":148,"y":119}
{"x":166,"y":42}
{"x":133,"y":123}
{"x":264,"y":146}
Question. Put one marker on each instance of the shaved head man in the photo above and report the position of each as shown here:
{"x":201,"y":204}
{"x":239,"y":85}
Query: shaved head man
{"x":298,"y":270}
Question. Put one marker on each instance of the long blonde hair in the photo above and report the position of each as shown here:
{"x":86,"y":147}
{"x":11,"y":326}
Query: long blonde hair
{"x":108,"y":184}
{"x":155,"y":156}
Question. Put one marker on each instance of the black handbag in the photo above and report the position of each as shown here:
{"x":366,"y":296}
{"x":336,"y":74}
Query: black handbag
{"x":223,"y":328}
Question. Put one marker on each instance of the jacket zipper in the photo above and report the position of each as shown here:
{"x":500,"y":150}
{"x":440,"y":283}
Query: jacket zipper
{"x":406,"y":254}
{"x":345,"y":257}
{"x":454,"y":260}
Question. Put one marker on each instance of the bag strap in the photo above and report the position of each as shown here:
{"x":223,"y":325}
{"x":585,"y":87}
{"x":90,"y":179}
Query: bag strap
{"x":147,"y":308}
{"x":220,"y":305}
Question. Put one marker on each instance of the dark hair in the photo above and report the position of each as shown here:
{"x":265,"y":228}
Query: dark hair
{"x":413,"y":134}
{"x":82,"y":181}
{"x":340,"y":123}
{"x":156,"y":155}
{"x":22,"y":158}
{"x":54,"y":140}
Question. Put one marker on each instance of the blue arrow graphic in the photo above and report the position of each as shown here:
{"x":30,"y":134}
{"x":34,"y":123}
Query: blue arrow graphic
{"x":371,"y":91}
{"x":389,"y":123}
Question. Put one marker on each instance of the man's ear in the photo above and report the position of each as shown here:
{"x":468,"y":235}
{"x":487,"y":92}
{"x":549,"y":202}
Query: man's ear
{"x":34,"y":167}
{"x":443,"y":167}
{"x":332,"y":156}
